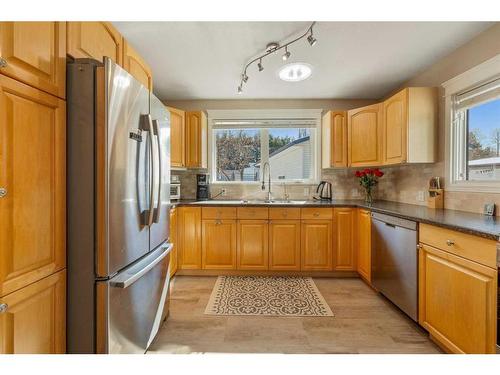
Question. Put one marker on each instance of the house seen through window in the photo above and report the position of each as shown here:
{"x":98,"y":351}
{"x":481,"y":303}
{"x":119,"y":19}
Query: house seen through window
{"x":240,"y":151}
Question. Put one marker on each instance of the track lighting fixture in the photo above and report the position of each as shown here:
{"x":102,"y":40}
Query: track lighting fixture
{"x":259,"y":65}
{"x":272,"y":48}
{"x":286,"y":55}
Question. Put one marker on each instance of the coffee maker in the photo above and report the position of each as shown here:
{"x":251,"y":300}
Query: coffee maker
{"x":202,"y":187}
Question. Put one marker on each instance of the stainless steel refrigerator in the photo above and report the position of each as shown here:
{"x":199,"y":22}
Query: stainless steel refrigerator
{"x":118,"y":188}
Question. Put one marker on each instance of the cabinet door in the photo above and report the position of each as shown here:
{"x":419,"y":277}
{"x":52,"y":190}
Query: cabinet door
{"x":35,"y":53}
{"x":365,"y":136}
{"x":316,"y":249}
{"x":457,"y":301}
{"x":344,"y":254}
{"x":196,"y":139}
{"x":95,"y":40}
{"x":253,"y":253}
{"x":339,"y":140}
{"x":395,"y":128}
{"x":189,"y":233}
{"x":35,"y":319}
{"x":177,"y":138}
{"x":174,"y":240}
{"x":364,"y":244}
{"x":135,"y":65}
{"x":284,"y":245}
{"x":219,"y":244}
{"x":33,"y":172}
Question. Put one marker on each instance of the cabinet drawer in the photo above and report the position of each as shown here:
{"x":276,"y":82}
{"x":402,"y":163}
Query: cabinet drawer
{"x":218,"y":212}
{"x":477,"y":249}
{"x":253,"y":213}
{"x":316,"y":213}
{"x":284,"y":213}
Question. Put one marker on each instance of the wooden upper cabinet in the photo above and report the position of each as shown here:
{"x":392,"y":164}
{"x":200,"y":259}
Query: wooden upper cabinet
{"x":334,"y":139}
{"x":316,"y":241}
{"x":189,"y":232}
{"x":218,"y":244}
{"x":177,"y":138}
{"x":364,"y":244}
{"x":135,"y":65}
{"x":253,"y":245}
{"x":94,"y":40}
{"x":35,"y":53}
{"x":409,"y":126}
{"x":284,"y":245}
{"x":344,"y":249}
{"x":196,"y":139}
{"x":35,"y":319}
{"x":365,"y":136}
{"x":33,"y":171}
{"x":457,"y":301}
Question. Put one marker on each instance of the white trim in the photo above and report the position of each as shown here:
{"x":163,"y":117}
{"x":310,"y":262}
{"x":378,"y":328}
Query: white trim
{"x":266,"y":114}
{"x":473,"y":77}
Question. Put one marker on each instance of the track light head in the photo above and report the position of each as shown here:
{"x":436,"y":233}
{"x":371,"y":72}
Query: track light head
{"x":244,"y":77}
{"x":286,"y":55}
{"x":311,"y":39}
{"x":240,"y":90}
{"x":259,"y":65}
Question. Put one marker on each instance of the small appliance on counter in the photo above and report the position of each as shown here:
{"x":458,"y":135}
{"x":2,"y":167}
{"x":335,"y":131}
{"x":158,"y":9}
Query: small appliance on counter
{"x":203,"y":187}
{"x":323,"y":191}
{"x":175,"y":187}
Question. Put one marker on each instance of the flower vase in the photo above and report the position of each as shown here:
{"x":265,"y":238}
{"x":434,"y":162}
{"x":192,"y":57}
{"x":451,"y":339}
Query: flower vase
{"x":368,"y":196}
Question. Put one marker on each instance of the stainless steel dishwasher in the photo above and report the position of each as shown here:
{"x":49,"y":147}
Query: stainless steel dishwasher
{"x":395,"y":261}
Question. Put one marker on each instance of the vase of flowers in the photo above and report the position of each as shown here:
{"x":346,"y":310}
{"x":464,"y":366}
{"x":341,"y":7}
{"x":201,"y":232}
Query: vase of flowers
{"x":368,"y":178}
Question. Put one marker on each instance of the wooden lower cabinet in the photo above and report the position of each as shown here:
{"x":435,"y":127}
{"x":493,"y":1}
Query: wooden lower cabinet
{"x":174,"y":241}
{"x":253,"y":246}
{"x":284,"y":245}
{"x":189,"y":232}
{"x":34,"y":321}
{"x":364,"y":244}
{"x":33,"y":172}
{"x":457,"y":301}
{"x":218,"y":244}
{"x":344,"y":249}
{"x":316,"y":249}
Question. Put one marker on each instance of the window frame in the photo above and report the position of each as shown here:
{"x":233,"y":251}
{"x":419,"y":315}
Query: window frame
{"x":455,"y":156}
{"x":261,"y":114}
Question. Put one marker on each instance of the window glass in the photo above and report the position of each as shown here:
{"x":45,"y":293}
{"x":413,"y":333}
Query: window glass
{"x":483,"y":146}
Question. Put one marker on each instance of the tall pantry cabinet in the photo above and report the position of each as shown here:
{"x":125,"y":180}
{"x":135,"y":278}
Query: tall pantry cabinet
{"x":32,"y":187}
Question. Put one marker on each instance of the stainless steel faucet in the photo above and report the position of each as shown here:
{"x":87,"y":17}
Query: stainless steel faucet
{"x":269,"y":194}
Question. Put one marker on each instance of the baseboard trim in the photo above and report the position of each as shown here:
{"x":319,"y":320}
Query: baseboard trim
{"x":338,"y":274}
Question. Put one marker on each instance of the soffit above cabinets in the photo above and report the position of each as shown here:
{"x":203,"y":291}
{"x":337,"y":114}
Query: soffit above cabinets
{"x":203,"y":60}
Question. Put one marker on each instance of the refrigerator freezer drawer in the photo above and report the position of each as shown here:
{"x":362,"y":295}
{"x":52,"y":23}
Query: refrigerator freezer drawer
{"x":130,"y":305}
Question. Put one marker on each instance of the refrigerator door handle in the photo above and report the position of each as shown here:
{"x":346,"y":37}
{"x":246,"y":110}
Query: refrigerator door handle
{"x":157,"y":210}
{"x":147,"y":125}
{"x":127,"y":279}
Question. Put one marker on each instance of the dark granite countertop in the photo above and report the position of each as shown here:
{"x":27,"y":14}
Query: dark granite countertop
{"x":467,"y":222}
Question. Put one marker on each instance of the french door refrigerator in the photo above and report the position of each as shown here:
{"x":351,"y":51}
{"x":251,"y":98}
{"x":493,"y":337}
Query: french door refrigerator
{"x":118,"y":187}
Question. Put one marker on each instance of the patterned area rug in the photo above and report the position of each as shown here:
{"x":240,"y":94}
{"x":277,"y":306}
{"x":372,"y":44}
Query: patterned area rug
{"x":267,"y":295}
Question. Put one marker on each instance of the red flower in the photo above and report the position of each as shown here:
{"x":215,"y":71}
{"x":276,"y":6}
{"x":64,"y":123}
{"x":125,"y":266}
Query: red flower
{"x":357,"y":174}
{"x":377,"y":172}
{"x":368,"y":171}
{"x":362,"y":174}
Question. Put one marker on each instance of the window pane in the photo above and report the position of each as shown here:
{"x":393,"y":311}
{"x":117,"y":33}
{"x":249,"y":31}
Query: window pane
{"x":483,"y":150}
{"x":237,"y":153}
{"x":290,"y":153}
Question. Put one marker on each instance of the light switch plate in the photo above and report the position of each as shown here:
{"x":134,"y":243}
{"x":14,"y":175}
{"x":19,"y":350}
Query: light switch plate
{"x":421,"y":196}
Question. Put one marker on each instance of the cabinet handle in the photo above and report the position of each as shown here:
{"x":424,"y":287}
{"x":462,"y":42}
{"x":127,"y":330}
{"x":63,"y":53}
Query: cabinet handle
{"x":450,"y":242}
{"x":3,"y":192}
{"x":3,"y":62}
{"x":316,"y":214}
{"x":3,"y":307}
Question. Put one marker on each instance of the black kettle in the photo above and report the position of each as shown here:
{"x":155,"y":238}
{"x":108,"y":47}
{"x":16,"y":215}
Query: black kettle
{"x":324,"y":191}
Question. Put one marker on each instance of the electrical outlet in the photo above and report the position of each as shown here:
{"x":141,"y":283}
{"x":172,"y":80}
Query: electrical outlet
{"x":355,"y":193}
{"x":421,"y":196}
{"x":306,"y":192}
{"x":223,"y":191}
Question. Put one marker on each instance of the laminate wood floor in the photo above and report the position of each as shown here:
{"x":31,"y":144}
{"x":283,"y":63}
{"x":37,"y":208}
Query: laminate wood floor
{"x":364,"y":322}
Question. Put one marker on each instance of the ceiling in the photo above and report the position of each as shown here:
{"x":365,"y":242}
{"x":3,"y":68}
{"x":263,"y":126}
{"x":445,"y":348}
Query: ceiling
{"x":204,"y":60}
